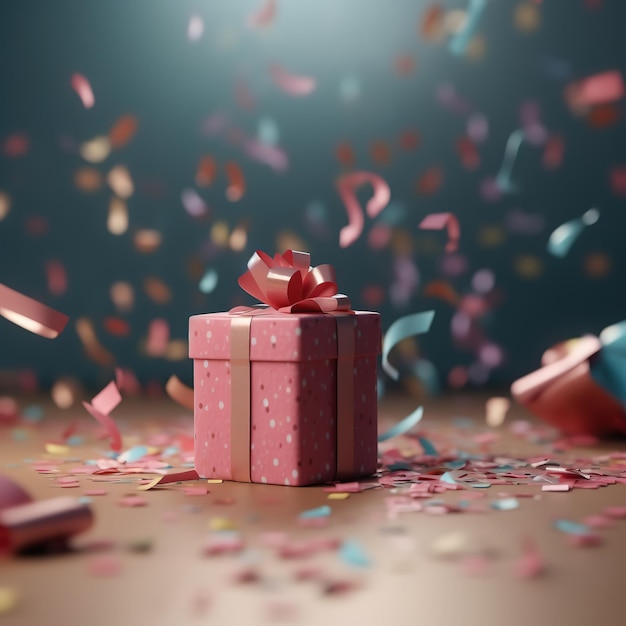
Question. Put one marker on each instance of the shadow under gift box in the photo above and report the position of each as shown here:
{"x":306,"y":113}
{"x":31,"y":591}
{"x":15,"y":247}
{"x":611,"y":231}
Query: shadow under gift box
{"x":293,"y":398}
{"x":564,"y":394}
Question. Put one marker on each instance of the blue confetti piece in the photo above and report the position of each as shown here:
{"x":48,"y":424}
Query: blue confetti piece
{"x":459,"y":42}
{"x":403,"y":426}
{"x":446,"y":477}
{"x":513,"y":145}
{"x":400,"y":465}
{"x":505,"y":504}
{"x":208,"y":282}
{"x":84,"y":500}
{"x":32,"y":413}
{"x":428,"y":447}
{"x":563,"y":237}
{"x":133,"y":454}
{"x":321,"y":511}
{"x":352,"y":553}
{"x":76,"y":440}
{"x":571,"y":528}
{"x":170,"y":451}
{"x":454,"y":464}
{"x":267,"y":131}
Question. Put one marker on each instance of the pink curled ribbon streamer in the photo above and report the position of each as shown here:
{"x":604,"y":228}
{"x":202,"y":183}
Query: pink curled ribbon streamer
{"x":346,"y":186}
{"x":289,"y":284}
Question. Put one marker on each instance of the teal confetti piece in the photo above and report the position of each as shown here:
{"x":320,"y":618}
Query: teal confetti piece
{"x":446,"y":477}
{"x":505,"y":504}
{"x":563,"y":237}
{"x":353,"y":553}
{"x":571,"y":528}
{"x":428,"y":447}
{"x":32,"y":413}
{"x":208,"y":282}
{"x":75,"y":440}
{"x":403,"y":426}
{"x":608,"y":367}
{"x":133,"y":454}
{"x":408,"y":326}
{"x":321,"y":511}
{"x":458,"y":44}
{"x":513,"y":145}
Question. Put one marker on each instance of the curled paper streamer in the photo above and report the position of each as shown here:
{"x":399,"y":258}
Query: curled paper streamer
{"x":292,"y":84}
{"x":437,"y":221}
{"x":100,"y":407}
{"x":563,"y":237}
{"x":458,"y":44}
{"x":35,"y":523}
{"x":346,"y":186}
{"x":415,"y":324}
{"x":82,"y":87}
{"x":31,"y":314}
{"x":179,"y":392}
{"x":403,"y":426}
{"x":513,"y":144}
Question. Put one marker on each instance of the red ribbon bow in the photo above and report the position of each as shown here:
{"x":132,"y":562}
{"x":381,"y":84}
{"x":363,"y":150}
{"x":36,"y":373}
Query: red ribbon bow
{"x":289,"y":284}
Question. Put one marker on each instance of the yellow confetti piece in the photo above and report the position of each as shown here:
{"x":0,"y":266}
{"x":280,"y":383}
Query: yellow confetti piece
{"x":9,"y":599}
{"x":215,"y":481}
{"x":56,"y":449}
{"x":221,"y":523}
{"x":152,"y":483}
{"x":338,"y":496}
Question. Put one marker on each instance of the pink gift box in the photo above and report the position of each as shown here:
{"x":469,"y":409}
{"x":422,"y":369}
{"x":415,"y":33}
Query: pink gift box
{"x":284,"y":428}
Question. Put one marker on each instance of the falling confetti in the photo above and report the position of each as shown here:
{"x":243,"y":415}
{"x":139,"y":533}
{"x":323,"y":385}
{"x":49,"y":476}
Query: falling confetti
{"x":563,"y":237}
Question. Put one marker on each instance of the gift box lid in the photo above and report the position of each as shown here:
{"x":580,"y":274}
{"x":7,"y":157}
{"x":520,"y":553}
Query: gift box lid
{"x":283,"y":336}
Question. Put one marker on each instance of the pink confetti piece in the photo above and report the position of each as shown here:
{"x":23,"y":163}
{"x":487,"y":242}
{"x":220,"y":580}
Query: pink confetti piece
{"x":101,"y":405}
{"x":57,"y":277}
{"x":531,"y":564}
{"x":291,"y":84}
{"x":558,"y":487}
{"x":95,"y":492}
{"x":438,"y":221}
{"x":105,"y":565}
{"x":597,"y":89}
{"x":132,"y":501}
{"x":264,"y":16}
{"x":158,"y":337}
{"x":31,"y":314}
{"x":273,"y":156}
{"x":83,"y":89}
{"x":598,"y":521}
{"x":616,"y":512}
{"x":219,"y":544}
{"x":347,"y":186}
{"x":585,"y":541}
{"x":195,"y":490}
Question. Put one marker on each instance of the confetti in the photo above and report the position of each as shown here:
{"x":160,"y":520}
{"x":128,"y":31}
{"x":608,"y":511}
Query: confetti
{"x":169,"y":478}
{"x":531,"y":564}
{"x":264,"y":16}
{"x":496,"y":410}
{"x":408,"y":326}
{"x":563,"y":237}
{"x":438,"y":221}
{"x":83,"y":89}
{"x":352,"y":553}
{"x":513,"y":145}
{"x":291,"y":84}
{"x":459,"y":43}
{"x":195,"y":28}
{"x":122,"y":132}
{"x":9,"y":599}
{"x":100,"y":407}
{"x":236,"y":182}
{"x":31,"y":314}
{"x":597,"y":89}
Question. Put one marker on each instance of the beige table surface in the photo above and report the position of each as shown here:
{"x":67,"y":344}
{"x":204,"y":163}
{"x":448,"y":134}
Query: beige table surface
{"x":174,"y":583}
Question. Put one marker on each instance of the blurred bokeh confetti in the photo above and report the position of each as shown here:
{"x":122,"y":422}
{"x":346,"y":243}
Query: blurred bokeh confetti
{"x":441,"y":155}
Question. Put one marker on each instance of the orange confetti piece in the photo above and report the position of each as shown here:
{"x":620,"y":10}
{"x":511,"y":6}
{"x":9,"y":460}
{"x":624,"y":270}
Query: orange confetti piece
{"x":236,"y":182}
{"x":116,"y":326}
{"x":553,"y":152}
{"x":83,"y":89}
{"x":604,"y":115}
{"x":430,"y":182}
{"x":92,"y":346}
{"x":205,"y":173}
{"x":468,"y":153}
{"x":409,"y":140}
{"x":179,"y":392}
{"x":443,"y":290}
{"x":88,"y":179}
{"x":345,"y":154}
{"x":157,"y":290}
{"x":431,"y":26}
{"x":57,"y":278}
{"x":123,"y":131}
{"x":380,"y":153}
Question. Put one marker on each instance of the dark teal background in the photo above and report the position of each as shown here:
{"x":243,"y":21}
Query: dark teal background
{"x":139,"y":61}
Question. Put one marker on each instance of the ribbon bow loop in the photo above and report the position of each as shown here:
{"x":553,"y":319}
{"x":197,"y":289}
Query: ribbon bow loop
{"x":289,"y":284}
